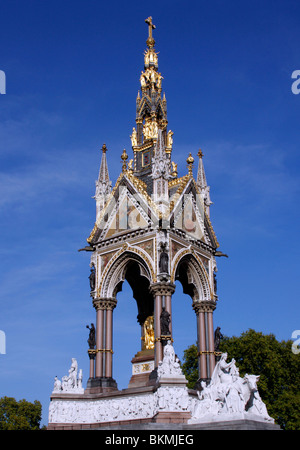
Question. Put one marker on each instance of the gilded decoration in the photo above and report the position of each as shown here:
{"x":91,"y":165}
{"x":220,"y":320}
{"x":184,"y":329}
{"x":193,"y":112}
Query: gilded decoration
{"x":148,"y":329}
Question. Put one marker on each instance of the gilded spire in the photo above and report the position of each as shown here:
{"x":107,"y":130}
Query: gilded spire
{"x":151,"y":114}
{"x":150,"y":79}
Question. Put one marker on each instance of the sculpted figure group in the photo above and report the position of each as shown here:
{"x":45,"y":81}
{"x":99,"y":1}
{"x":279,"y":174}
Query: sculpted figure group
{"x":228,"y":396}
{"x":70,"y":383}
{"x":228,"y":393}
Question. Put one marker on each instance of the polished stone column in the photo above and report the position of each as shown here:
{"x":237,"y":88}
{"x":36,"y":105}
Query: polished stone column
{"x":99,"y":305}
{"x":104,"y":340}
{"x":92,"y":354}
{"x":211,"y":342}
{"x":202,"y":345}
{"x":108,"y":343}
{"x":157,"y":342}
{"x":205,"y":338}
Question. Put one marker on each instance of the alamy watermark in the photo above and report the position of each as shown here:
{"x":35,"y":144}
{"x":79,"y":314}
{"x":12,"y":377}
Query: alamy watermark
{"x":296,"y":84}
{"x":2,"y":82}
{"x":2,"y":343}
{"x":296,"y":343}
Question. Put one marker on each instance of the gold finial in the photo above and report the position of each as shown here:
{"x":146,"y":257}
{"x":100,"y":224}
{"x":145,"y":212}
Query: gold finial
{"x":190,"y":161}
{"x":104,"y":148}
{"x":150,"y":41}
{"x":124,"y":158}
{"x":200,"y":154}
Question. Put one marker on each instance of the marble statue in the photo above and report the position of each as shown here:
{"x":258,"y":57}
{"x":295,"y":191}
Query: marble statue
{"x":170,"y":363}
{"x":71,"y":383}
{"x":229,"y":395}
{"x":57,"y":385}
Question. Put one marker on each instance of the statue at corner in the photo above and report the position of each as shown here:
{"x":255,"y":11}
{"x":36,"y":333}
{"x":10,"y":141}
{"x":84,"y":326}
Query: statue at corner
{"x":70,"y":383}
{"x":133,"y":137}
{"x":57,"y":385}
{"x":92,"y":336}
{"x":218,"y":337}
{"x":164,"y":259}
{"x":165,"y":322}
{"x":92,"y":278}
{"x":228,"y":393}
{"x":170,"y":363}
{"x":169,"y":139}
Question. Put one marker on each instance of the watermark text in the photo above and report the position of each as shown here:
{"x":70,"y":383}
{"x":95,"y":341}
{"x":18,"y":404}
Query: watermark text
{"x":296,"y":84}
{"x":2,"y":343}
{"x":296,"y":343}
{"x":2,"y":82}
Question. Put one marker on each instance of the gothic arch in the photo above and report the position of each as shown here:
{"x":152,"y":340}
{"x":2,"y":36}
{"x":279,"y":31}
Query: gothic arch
{"x":190,"y":271}
{"x":137,"y":270}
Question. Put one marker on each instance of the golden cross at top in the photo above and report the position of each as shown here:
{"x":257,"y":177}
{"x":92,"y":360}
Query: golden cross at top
{"x":151,"y":26}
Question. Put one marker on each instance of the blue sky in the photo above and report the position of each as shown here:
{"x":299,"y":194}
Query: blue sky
{"x":72,"y":72}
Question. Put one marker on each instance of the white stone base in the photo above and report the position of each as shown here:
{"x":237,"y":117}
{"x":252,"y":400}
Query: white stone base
{"x":117,"y":406}
{"x":124,"y":406}
{"x":210,"y":418}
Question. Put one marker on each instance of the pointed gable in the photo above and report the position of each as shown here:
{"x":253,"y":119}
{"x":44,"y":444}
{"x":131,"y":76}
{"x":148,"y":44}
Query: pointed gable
{"x":128,"y":208}
{"x":189,"y":213}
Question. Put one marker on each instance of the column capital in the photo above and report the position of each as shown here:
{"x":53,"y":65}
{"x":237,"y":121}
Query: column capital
{"x":162,"y":288}
{"x":92,"y":353}
{"x":104,"y":303}
{"x":204,"y":306}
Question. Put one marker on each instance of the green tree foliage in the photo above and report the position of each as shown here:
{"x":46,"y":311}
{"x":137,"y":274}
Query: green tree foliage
{"x":278,"y":367}
{"x":190,"y":365}
{"x":19,"y":415}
